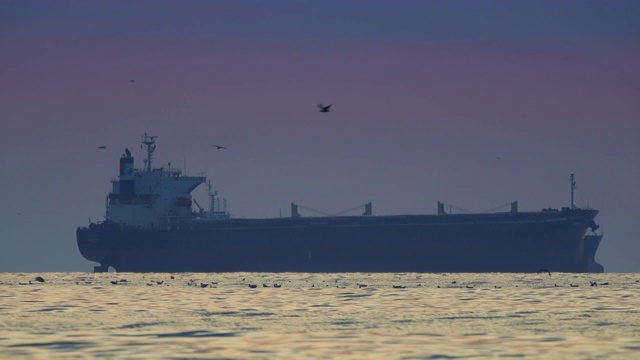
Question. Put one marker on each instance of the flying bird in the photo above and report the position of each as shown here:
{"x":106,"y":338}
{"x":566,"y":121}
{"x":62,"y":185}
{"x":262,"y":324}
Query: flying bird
{"x":131,"y":81}
{"x":218,"y":147}
{"x":102,"y":147}
{"x":324,"y":109}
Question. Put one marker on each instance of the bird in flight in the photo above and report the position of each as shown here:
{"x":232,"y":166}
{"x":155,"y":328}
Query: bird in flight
{"x":102,"y":147}
{"x":131,"y":81}
{"x":218,"y":147}
{"x":323,"y":108}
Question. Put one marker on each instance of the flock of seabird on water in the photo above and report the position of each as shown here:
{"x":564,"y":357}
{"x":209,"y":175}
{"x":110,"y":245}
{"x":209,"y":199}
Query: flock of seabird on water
{"x":213,"y":284}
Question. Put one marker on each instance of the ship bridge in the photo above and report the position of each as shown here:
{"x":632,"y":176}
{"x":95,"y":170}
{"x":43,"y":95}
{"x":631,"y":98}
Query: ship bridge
{"x":148,"y":197}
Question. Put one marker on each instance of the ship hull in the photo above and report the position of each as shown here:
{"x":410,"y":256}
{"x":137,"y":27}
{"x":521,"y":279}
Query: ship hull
{"x":591,"y":244}
{"x":506,"y":242}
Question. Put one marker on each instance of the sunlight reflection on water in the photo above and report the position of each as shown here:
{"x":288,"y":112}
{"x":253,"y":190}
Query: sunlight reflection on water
{"x":393,"y":315}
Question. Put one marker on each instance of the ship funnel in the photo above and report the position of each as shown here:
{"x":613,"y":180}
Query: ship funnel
{"x":126,"y":164}
{"x":126,"y":191}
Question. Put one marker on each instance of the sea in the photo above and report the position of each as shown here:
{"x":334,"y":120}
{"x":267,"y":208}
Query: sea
{"x":319,"y":316}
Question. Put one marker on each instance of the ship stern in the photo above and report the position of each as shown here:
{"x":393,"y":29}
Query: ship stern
{"x":92,"y":246}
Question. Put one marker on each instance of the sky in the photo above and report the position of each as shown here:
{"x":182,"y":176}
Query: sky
{"x":472,"y":103}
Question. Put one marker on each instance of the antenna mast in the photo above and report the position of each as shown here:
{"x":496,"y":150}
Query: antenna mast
{"x":212,"y":198}
{"x":573,"y":187}
{"x":150,"y":141}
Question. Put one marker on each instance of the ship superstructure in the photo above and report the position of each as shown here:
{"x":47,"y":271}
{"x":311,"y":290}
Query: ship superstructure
{"x":151,"y":197}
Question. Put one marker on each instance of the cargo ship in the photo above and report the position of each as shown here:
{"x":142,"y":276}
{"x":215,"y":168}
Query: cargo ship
{"x":151,"y":225}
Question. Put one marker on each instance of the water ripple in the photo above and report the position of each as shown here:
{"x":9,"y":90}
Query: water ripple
{"x":141,"y":325}
{"x":58,"y":345}
{"x":196,"y":334}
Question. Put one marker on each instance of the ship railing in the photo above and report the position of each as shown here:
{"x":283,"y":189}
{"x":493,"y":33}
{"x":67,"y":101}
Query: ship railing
{"x":172,"y":171}
{"x":213,"y":215}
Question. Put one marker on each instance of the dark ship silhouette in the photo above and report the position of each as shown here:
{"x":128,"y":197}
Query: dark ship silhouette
{"x":591,"y":244}
{"x":150,"y":226}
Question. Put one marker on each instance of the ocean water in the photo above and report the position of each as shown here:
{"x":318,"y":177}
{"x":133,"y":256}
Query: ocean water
{"x":320,"y":316}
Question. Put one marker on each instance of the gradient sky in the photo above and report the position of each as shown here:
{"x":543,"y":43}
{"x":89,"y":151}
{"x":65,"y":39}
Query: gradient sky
{"x":427,"y":95}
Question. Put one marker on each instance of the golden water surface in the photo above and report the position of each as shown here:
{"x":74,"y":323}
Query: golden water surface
{"x":330,"y":316}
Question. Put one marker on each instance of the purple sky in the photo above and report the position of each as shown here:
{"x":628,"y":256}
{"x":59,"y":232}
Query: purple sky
{"x":426,"y":94}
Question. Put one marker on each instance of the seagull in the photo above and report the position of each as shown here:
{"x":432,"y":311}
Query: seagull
{"x":102,"y":147}
{"x":218,"y":147}
{"x":323,"y":108}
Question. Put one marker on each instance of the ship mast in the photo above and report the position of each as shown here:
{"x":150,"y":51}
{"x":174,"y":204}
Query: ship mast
{"x":573,"y":187}
{"x":212,"y":198}
{"x":150,"y":141}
